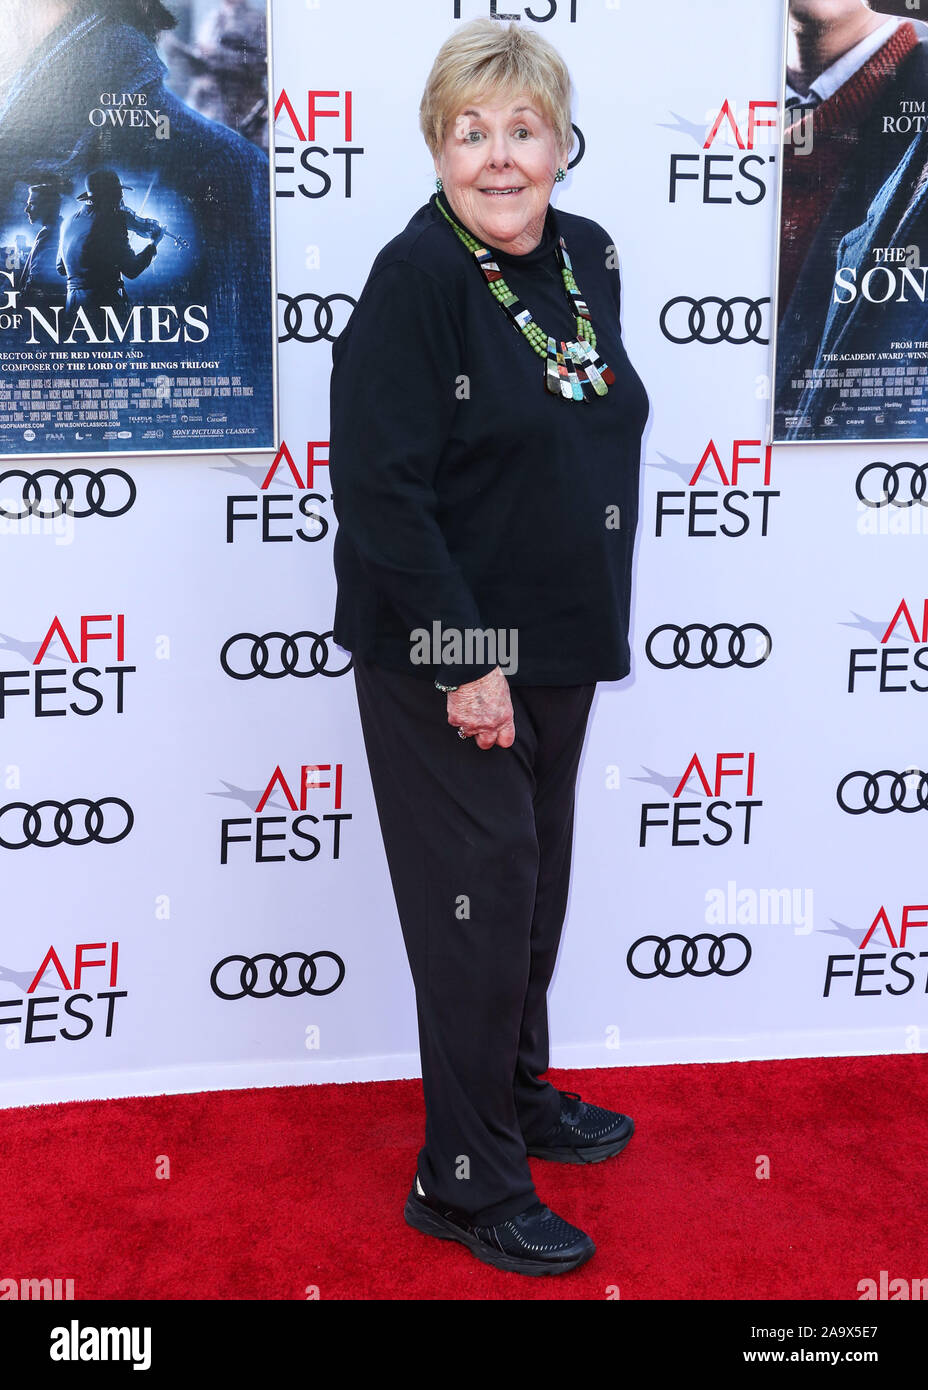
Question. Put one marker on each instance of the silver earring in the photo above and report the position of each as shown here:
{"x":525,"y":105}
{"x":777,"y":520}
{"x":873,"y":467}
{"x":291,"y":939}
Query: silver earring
{"x":438,"y":185}
{"x":560,"y":176}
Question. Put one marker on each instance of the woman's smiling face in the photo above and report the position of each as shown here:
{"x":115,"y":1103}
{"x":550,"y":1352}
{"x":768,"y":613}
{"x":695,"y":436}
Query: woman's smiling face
{"x":497,"y":167}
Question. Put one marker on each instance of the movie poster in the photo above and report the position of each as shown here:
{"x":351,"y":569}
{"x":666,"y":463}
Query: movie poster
{"x":851,"y":345}
{"x":136,"y":296}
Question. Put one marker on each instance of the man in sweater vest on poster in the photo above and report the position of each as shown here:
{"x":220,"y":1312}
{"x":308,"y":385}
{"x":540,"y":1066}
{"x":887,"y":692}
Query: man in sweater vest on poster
{"x":848,"y":68}
{"x":877,"y":319}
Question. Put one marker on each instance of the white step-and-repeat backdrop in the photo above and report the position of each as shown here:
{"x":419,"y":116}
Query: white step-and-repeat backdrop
{"x":154,"y":683}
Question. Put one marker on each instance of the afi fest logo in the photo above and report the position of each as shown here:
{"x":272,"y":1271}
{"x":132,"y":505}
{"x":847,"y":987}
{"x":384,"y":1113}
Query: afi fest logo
{"x":303,"y":166}
{"x":70,"y":682}
{"x":285,"y":506}
{"x":716,"y":499}
{"x":269,"y":836}
{"x":659,"y":815}
{"x":57,"y":1005}
{"x":539,"y":12}
{"x":892,"y":669}
{"x":741,"y":177}
{"x":877,"y":972}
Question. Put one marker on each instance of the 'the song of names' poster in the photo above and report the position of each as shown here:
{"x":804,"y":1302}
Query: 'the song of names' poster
{"x":851,"y":358}
{"x":136,"y":298}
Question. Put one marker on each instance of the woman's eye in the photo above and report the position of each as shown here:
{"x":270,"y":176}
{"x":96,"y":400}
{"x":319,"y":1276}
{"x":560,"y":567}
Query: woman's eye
{"x":522,"y":131}
{"x":473,"y":136}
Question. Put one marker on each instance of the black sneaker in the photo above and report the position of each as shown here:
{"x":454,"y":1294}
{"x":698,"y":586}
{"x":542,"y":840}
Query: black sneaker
{"x":584,"y":1134}
{"x":534,"y":1242}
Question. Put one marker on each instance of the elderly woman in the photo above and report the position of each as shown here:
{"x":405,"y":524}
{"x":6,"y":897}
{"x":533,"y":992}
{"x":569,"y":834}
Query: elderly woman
{"x":484,"y":452}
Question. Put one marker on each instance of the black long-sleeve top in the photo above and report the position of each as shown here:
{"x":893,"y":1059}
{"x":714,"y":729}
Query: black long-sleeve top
{"x":466,"y":494}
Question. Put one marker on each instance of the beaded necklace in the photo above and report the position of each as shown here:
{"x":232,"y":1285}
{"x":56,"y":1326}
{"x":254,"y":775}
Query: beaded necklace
{"x":573,"y":369}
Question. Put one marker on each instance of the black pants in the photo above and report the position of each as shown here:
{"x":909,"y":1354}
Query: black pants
{"x":478,"y":842}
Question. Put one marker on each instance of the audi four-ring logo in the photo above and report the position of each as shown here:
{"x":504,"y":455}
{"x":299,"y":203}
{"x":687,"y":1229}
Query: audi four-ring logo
{"x":244,"y":978}
{"x":886,"y":482}
{"x":31,"y":826}
{"x":695,"y":323}
{"x":657,"y":957}
{"x":255,"y":659}
{"x":104,"y":499}
{"x":707,"y":649}
{"x":904,"y":791}
{"x":322,"y":317}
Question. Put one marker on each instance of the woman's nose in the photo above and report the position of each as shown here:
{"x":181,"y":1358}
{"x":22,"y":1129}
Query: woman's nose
{"x":498,"y":156}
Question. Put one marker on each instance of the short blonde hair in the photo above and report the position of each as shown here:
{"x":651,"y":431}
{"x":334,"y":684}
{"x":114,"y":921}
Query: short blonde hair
{"x":487,"y":56}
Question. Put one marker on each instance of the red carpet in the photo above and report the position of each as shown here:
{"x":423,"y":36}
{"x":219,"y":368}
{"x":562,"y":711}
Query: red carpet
{"x":274,"y":1190}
